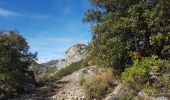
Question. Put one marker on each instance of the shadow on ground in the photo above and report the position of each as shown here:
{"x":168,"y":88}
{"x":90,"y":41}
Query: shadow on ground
{"x":43,"y":91}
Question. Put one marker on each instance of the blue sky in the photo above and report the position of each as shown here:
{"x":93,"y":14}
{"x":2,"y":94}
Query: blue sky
{"x":50,"y":26}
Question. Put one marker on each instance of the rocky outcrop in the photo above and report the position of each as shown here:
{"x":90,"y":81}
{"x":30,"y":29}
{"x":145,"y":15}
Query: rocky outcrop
{"x":73,"y":54}
{"x":76,"y":53}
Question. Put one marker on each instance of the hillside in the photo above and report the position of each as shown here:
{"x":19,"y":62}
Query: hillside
{"x":127,"y":56}
{"x":80,"y":78}
{"x":71,"y":88}
{"x":51,"y":63}
{"x":68,"y":88}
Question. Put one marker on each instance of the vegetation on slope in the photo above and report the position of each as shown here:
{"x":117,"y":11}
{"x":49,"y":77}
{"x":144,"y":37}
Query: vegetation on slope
{"x":122,"y":28}
{"x":53,"y":74}
{"x":14,"y":61}
{"x":150,"y":75}
{"x":97,"y":86}
{"x":126,"y":35}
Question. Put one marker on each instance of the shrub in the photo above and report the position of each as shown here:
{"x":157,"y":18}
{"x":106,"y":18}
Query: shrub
{"x":129,"y":96}
{"x":70,"y":69}
{"x":148,"y":89}
{"x":47,"y":78}
{"x":120,"y":28}
{"x":14,"y":61}
{"x":82,"y":80}
{"x":139,"y":78}
{"x":97,"y":86}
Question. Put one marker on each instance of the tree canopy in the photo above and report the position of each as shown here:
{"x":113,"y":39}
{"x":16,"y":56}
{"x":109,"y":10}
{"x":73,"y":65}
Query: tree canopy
{"x":123,"y":29}
{"x":14,"y":61}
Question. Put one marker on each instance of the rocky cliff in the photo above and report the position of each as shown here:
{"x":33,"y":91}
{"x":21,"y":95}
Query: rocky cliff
{"x":73,"y":54}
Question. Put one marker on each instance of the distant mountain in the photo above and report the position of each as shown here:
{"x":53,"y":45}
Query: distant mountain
{"x":51,"y":63}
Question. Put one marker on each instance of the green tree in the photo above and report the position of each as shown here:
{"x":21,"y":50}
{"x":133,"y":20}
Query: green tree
{"x":123,"y":27}
{"x":14,"y":61}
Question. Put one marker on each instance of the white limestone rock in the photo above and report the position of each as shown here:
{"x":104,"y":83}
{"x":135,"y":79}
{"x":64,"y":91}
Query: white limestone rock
{"x":75,"y":53}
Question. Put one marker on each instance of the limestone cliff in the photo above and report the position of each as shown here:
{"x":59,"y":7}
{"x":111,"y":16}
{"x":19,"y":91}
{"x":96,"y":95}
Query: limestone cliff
{"x":73,"y":54}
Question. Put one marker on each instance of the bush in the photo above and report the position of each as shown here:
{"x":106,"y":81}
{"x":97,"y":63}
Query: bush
{"x":47,"y":78}
{"x":139,"y":77}
{"x":120,"y":28}
{"x":96,"y":87}
{"x":82,"y":80}
{"x":14,"y":61}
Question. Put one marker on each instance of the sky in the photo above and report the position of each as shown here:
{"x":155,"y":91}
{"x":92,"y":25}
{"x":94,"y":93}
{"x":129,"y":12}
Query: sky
{"x":49,"y":26}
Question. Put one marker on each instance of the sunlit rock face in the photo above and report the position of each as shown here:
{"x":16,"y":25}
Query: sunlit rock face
{"x":76,"y":53}
{"x":73,"y":54}
{"x":61,"y":63}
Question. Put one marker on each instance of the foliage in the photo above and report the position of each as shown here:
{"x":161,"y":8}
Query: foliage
{"x":97,"y":86}
{"x":14,"y":61}
{"x":91,"y":60}
{"x":37,"y":68}
{"x":46,"y":78}
{"x":55,"y":75}
{"x":121,"y":27}
{"x":139,"y":77}
{"x":82,"y":80}
{"x":129,"y":96}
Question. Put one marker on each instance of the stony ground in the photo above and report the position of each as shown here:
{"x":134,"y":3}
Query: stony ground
{"x":42,"y":92}
{"x":60,"y":90}
{"x":70,"y":91}
{"x":67,"y":88}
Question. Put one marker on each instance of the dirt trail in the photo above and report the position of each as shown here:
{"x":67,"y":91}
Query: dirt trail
{"x":70,"y":91}
{"x":43,"y":92}
{"x":67,"y":88}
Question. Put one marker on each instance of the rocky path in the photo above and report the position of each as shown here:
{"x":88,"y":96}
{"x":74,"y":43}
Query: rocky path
{"x":60,"y":90}
{"x":42,"y":92}
{"x":71,"y":91}
{"x":67,"y":88}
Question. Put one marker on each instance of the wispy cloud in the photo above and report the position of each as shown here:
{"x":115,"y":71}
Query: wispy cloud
{"x":9,"y":13}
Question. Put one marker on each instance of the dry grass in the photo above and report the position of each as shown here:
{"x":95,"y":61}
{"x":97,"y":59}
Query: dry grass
{"x":99,"y":85}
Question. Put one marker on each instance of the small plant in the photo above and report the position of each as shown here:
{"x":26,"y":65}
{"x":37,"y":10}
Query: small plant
{"x":82,"y":80}
{"x":148,"y":89}
{"x":128,"y":96}
{"x":96,"y":87}
{"x":84,"y":70}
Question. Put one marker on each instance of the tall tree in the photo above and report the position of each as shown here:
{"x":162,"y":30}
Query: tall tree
{"x":122,"y":28}
{"x":14,"y":61}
